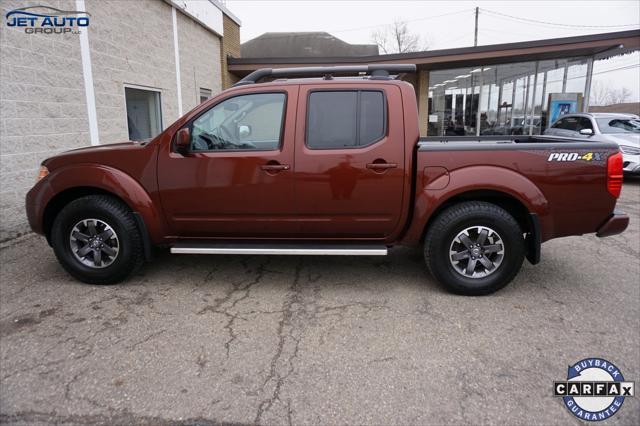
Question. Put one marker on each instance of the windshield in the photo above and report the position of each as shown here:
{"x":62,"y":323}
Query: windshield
{"x":618,"y":125}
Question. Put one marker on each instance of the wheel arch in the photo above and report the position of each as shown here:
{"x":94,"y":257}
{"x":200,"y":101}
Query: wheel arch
{"x":528,"y":220}
{"x":77,"y":181}
{"x":61,"y":199}
{"x":508,"y":202}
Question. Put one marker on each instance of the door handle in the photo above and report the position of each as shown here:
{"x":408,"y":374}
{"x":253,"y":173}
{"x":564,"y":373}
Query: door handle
{"x":381,"y":166}
{"x":275,"y":167}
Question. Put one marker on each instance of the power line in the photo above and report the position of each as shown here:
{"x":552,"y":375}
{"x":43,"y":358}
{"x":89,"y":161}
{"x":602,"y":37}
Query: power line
{"x":555,"y":24}
{"x":372,"y":26}
{"x":408,"y":20}
{"x":617,"y":69}
{"x":519,"y":34}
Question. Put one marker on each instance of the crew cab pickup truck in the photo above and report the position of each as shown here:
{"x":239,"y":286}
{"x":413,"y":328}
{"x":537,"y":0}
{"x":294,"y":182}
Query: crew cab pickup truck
{"x":324,"y":166}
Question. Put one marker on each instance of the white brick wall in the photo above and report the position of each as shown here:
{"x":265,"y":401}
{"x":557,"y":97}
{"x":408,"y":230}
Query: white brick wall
{"x":199,"y":61}
{"x":42,"y":98}
{"x":42,"y":108}
{"x":131,"y":43}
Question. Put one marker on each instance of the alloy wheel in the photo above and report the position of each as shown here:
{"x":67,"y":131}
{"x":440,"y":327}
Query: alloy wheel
{"x":476,"y":252}
{"x":94,"y":243}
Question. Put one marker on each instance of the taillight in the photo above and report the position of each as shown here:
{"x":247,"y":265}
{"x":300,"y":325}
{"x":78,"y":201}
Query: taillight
{"x":614,"y":174}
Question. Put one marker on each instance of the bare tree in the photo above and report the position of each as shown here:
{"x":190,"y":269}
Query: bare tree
{"x":603,"y":94}
{"x":599,"y":94}
{"x":397,"y":38}
{"x":620,"y":96}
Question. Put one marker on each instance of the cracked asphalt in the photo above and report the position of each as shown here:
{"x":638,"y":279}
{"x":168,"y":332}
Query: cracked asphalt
{"x":324,"y":340}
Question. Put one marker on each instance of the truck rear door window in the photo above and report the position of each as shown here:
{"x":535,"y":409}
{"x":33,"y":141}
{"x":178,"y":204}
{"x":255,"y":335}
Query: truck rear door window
{"x":345,"y":119}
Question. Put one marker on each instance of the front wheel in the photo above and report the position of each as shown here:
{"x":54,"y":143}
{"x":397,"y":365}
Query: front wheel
{"x":96,"y":240}
{"x":474,"y":248}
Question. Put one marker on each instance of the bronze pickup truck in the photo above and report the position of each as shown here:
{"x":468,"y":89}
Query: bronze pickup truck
{"x":311,"y":163}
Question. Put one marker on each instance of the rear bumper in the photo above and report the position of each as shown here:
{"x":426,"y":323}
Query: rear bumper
{"x":616,"y":223}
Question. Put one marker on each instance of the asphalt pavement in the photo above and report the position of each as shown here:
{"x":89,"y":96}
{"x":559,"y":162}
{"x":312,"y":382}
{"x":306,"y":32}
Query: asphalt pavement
{"x":314,"y":340}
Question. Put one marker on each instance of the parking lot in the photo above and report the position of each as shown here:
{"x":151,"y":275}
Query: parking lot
{"x":323,"y":340}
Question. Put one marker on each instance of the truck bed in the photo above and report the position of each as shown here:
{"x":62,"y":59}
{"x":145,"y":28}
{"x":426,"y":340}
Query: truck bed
{"x":562,"y":180}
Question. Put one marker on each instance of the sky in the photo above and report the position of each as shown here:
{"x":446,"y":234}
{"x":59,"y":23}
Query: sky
{"x":450,"y":24}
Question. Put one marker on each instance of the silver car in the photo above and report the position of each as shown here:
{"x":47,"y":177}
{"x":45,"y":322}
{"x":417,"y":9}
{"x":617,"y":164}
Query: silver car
{"x":623,"y":129}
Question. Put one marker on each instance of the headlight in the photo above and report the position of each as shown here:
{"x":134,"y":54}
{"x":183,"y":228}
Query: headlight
{"x":42,"y":173}
{"x":629,"y":150}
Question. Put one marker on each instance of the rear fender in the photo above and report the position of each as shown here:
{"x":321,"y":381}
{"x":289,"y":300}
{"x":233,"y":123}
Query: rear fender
{"x":430,"y":196}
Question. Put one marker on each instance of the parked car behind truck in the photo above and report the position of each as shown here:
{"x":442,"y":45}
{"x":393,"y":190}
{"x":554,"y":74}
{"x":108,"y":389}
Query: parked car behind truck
{"x":324,"y":167}
{"x":622,"y":129}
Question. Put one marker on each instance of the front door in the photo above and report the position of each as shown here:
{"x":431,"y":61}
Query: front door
{"x":237,"y":179}
{"x":349,"y":161}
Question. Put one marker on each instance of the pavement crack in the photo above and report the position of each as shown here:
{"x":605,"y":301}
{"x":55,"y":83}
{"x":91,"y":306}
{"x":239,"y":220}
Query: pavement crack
{"x":285,"y":331}
{"x":239,"y":292}
{"x":146,"y":339}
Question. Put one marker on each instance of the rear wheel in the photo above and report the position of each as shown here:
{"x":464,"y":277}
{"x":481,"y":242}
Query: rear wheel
{"x":474,"y":248}
{"x":96,"y":240}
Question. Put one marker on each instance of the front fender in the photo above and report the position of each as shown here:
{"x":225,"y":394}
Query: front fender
{"x":433,"y":191}
{"x":90,"y":175}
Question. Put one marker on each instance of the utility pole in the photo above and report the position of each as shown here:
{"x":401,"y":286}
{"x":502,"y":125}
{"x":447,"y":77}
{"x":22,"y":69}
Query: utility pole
{"x":475,"y":37}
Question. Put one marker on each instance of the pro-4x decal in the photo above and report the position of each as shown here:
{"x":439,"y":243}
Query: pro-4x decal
{"x":574,"y":156}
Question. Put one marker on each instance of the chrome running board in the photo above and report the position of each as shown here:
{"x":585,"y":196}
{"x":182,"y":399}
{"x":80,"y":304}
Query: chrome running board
{"x":317,"y":249}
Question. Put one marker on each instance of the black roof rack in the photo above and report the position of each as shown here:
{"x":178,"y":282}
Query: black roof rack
{"x":376,"y":71}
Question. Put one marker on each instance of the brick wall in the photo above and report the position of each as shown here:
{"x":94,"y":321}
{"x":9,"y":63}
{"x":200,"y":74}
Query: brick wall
{"x":230,"y":46}
{"x":126,"y":49}
{"x":199,"y":64}
{"x":42,"y":108}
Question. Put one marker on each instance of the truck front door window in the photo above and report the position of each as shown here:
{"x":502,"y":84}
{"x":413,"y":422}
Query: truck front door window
{"x":245,"y":122}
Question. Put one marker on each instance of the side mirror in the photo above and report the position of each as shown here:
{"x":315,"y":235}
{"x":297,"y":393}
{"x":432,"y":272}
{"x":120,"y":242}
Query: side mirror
{"x":586,"y":132}
{"x":244,"y":131}
{"x":183,"y":140}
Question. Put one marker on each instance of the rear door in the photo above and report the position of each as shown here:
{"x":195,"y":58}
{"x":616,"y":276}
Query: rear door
{"x":349,"y":160}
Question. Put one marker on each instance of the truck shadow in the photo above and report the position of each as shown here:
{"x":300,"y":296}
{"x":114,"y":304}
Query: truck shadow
{"x":402,"y":267}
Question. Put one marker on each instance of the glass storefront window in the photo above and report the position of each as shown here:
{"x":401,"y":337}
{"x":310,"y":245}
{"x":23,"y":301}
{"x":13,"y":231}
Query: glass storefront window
{"x":576,"y":77}
{"x":506,"y":99}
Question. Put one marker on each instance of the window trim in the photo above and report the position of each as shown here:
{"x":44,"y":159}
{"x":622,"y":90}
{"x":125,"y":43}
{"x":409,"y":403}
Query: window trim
{"x":267,"y":92}
{"x":126,"y":86}
{"x":358,"y":91}
{"x":209,"y":94}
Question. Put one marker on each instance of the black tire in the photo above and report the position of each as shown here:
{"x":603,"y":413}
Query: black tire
{"x":447,"y":227}
{"x":113,"y":212}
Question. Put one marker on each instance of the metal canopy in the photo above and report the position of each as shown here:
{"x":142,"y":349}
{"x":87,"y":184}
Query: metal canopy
{"x":605,"y":44}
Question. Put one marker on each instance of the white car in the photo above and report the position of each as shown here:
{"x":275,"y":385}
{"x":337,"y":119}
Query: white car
{"x":623,"y":129}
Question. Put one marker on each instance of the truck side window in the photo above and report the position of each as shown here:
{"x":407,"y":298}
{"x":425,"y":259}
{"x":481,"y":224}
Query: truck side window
{"x":244,"y":122}
{"x":345,"y":119}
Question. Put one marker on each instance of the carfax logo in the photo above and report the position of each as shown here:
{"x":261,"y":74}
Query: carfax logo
{"x":47,"y":20}
{"x":594,"y":390}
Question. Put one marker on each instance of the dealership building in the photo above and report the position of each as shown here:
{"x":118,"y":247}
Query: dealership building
{"x":486,"y":90}
{"x":140,"y":65}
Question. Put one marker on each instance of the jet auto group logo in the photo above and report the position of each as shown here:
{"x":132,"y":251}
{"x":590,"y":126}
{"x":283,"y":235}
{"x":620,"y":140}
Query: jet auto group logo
{"x":47,"y":20}
{"x":594,"y":390}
